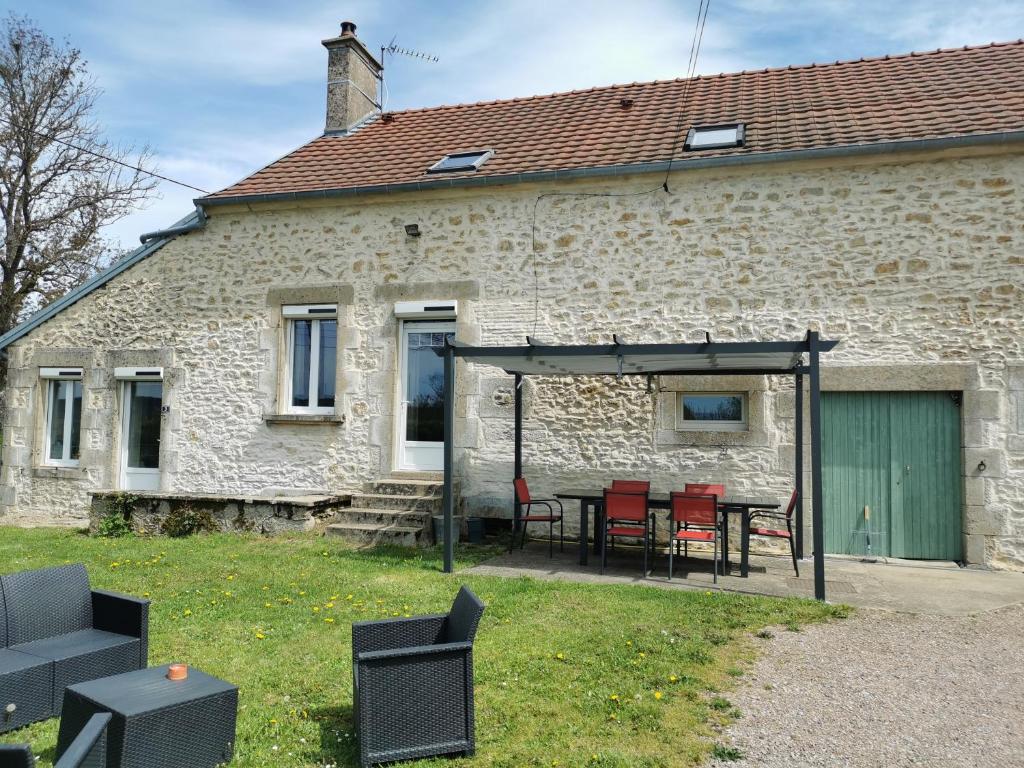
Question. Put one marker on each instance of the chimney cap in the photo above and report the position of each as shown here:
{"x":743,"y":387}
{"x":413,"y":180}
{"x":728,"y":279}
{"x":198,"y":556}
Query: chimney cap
{"x":348,"y":29}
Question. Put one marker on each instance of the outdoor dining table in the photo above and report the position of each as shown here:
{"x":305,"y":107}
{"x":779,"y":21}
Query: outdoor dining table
{"x":593,"y":498}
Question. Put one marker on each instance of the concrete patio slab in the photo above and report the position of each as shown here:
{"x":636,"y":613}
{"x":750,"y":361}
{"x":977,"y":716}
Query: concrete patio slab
{"x":940,"y":589}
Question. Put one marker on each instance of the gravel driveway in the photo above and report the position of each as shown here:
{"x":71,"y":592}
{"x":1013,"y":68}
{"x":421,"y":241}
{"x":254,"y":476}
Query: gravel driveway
{"x":885,"y":689}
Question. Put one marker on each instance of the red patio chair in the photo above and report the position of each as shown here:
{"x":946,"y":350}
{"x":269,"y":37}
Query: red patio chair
{"x":750,"y":529}
{"x":697,"y":510}
{"x":701,"y":489}
{"x":627,"y":514}
{"x":524,"y":499}
{"x":644,"y":486}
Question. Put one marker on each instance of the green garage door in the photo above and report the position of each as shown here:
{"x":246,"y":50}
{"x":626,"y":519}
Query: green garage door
{"x":898,"y":454}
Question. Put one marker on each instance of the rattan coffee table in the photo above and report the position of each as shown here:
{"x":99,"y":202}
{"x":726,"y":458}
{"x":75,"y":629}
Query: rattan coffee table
{"x":156,"y":723}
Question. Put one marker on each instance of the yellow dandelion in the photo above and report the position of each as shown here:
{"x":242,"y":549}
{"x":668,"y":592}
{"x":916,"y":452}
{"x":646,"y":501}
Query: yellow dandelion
{"x":642,"y":655}
{"x":333,"y":597}
{"x":614,"y":697}
{"x":629,"y":643}
{"x":261,"y":636}
{"x":658,"y":695}
{"x":348,"y":597}
{"x":187,"y":612}
{"x":114,"y":565}
{"x":329,"y":605}
{"x":560,"y":656}
{"x":145,"y":594}
{"x":268,"y":605}
{"x":231,"y":577}
{"x":673,"y":679}
{"x":273,"y":721}
{"x":316,"y":609}
{"x":329,"y":620}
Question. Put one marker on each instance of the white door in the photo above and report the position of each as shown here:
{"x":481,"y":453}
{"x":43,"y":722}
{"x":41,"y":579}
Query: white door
{"x":421,"y":415}
{"x":140,"y":435}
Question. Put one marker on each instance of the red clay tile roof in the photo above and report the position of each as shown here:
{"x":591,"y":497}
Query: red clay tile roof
{"x":955,"y":92}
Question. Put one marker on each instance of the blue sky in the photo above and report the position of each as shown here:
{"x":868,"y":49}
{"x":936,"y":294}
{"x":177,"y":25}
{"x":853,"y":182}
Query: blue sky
{"x":218,"y":88}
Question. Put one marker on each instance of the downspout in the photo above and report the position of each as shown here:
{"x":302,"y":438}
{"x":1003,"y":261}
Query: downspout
{"x":199,"y":223}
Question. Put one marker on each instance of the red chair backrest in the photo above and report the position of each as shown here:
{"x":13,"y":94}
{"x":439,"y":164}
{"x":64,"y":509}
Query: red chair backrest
{"x":791,"y":506}
{"x":694,"y":509}
{"x":705,"y":489}
{"x":631,"y":485}
{"x":522,"y":490}
{"x":625,"y":505}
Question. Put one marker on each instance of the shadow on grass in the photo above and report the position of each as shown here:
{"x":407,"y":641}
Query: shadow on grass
{"x":338,"y":743}
{"x":425,"y":558}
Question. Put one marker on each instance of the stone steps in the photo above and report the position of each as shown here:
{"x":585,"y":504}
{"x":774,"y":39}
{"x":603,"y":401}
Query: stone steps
{"x":393,"y":510}
{"x":364,"y":515}
{"x":375,"y":534}
{"x":426,"y":504}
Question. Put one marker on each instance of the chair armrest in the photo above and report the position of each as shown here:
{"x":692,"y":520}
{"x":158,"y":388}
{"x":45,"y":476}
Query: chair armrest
{"x":413,"y":652}
{"x":549,"y":502}
{"x":90,"y":745}
{"x":17,"y":756}
{"x":122,"y":615}
{"x":397,"y":633}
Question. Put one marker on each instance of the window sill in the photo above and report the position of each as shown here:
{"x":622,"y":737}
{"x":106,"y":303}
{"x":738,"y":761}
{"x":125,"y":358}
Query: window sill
{"x":304,"y":418}
{"x":58,"y":473}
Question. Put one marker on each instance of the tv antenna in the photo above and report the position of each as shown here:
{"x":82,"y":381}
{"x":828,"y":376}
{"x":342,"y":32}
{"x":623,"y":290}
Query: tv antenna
{"x":393,"y":49}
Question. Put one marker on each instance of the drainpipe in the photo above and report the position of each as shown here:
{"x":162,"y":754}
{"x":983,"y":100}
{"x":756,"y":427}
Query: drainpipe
{"x":199,"y":223}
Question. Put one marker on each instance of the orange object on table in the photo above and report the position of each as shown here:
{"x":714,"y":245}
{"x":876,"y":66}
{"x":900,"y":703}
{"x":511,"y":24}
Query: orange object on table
{"x":177,"y":672}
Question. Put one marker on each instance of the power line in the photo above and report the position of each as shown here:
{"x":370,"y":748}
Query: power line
{"x":691,"y":67}
{"x":104,"y":157}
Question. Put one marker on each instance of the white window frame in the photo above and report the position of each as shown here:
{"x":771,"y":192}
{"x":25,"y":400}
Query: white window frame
{"x":52,"y":376}
{"x":314,"y":312}
{"x":712,"y":426}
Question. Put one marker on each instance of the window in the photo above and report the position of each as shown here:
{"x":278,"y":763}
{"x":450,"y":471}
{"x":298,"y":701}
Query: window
{"x":715,"y":136}
{"x":312,"y":334}
{"x":63,"y":416}
{"x":712,"y":411}
{"x":461,"y":161}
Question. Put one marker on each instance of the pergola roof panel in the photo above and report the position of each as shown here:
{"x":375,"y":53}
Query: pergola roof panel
{"x":712,"y":358}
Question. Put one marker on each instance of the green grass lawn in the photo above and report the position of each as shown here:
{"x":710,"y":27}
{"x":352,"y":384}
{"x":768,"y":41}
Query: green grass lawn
{"x":566,"y":674}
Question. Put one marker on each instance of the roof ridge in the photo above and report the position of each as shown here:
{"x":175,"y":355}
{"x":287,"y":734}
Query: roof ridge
{"x":764,"y":70}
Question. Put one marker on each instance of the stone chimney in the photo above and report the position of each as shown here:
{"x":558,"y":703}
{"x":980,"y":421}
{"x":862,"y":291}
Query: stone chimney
{"x":352,"y":77}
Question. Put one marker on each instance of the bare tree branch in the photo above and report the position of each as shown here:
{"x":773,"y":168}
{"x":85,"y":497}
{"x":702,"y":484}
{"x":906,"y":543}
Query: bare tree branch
{"x":60,"y":180}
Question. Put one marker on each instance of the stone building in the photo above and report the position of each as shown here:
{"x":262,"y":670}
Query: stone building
{"x":278,"y":343}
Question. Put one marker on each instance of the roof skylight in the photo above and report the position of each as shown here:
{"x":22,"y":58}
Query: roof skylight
{"x":714,"y":136}
{"x":461,"y":161}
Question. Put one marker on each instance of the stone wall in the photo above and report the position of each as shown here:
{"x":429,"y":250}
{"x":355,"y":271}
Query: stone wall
{"x":913,"y":264}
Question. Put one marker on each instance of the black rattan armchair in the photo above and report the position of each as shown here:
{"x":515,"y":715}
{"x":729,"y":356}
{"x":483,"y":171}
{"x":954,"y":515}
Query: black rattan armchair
{"x":412,"y":683}
{"x":54,"y":632}
{"x":88,"y":750}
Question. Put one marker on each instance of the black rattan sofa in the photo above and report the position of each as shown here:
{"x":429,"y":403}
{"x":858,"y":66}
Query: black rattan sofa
{"x":88,"y":750}
{"x":413,"y":684}
{"x":54,"y":632}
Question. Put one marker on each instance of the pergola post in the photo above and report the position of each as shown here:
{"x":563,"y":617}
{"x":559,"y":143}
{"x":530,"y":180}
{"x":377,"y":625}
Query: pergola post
{"x":448,"y":502}
{"x":518,"y":396}
{"x":799,"y":461}
{"x":816,"y":488}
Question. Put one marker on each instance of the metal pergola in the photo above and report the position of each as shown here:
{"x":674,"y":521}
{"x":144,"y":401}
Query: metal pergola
{"x":766,"y":358}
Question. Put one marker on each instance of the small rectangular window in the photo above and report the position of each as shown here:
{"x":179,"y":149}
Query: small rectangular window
{"x":712,"y":411}
{"x":715,"y":136}
{"x":63,"y":416}
{"x":312,"y":358}
{"x":461,"y":161}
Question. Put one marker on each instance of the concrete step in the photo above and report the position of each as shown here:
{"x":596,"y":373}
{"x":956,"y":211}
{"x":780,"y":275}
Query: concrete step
{"x":384,"y":517}
{"x":405,"y":487}
{"x":370,"y":534}
{"x":426,"y":504}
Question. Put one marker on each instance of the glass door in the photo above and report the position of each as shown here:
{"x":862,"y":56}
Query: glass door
{"x":421,"y":416}
{"x":140,"y":435}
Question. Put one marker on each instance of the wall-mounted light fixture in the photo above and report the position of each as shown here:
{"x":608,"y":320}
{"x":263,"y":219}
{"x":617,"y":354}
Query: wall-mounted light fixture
{"x":413,"y":230}
{"x":982,"y":466}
